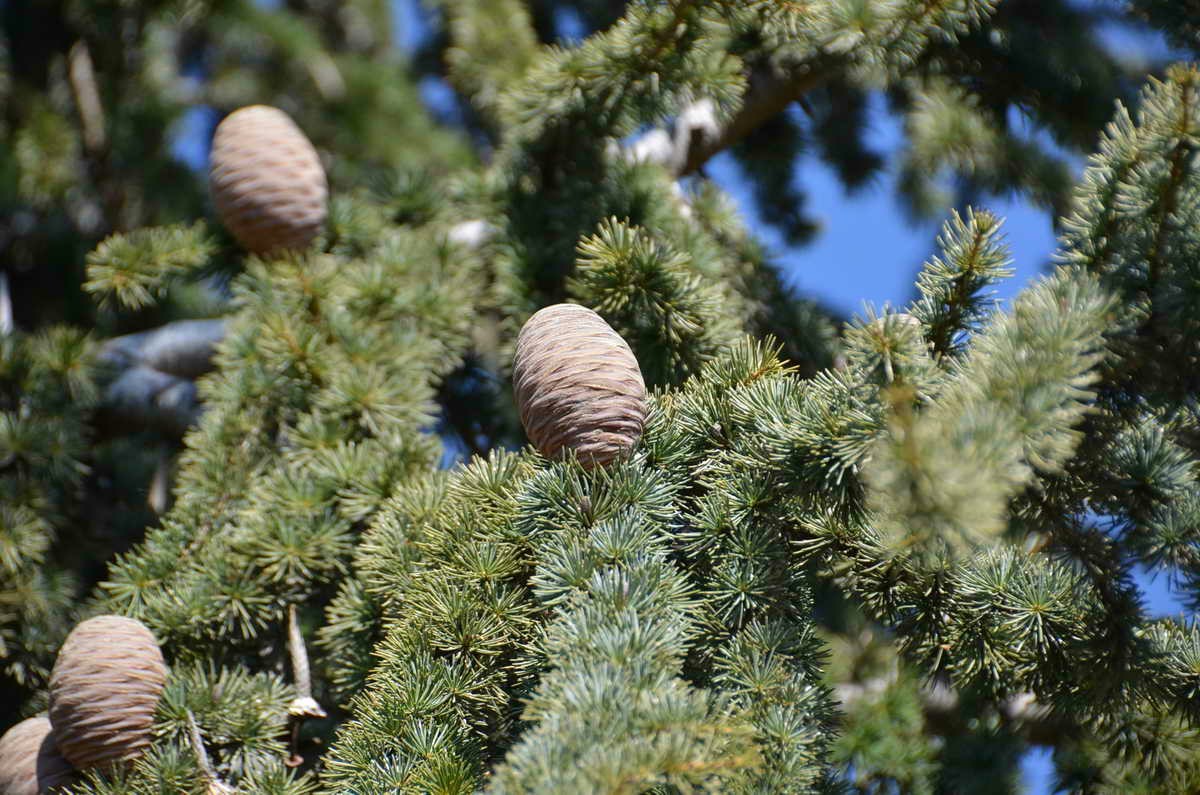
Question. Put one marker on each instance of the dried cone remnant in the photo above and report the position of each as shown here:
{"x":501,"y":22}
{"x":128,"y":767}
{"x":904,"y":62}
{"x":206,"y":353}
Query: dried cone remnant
{"x":578,"y":386}
{"x":30,"y":763}
{"x":267,"y":181}
{"x":104,"y":688}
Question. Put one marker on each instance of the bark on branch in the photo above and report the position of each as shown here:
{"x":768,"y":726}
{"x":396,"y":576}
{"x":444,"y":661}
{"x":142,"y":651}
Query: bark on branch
{"x":1036,"y":722}
{"x":82,"y":76}
{"x":153,"y":386}
{"x":698,"y":136}
{"x":183,"y":349}
{"x":768,"y":95}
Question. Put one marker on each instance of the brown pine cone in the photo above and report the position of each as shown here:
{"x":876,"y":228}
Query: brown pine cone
{"x":104,"y":689}
{"x":267,"y":181}
{"x":30,"y":763}
{"x":578,"y":386}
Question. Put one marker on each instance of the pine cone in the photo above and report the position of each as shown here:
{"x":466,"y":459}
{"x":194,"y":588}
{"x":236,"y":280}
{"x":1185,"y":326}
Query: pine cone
{"x":104,"y":688}
{"x":267,"y":181}
{"x":30,"y":763}
{"x":578,"y":386}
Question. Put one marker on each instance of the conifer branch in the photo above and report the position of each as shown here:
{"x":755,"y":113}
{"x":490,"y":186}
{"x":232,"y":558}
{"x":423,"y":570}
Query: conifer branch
{"x":215,"y":785}
{"x":304,"y":705}
{"x":159,"y":496}
{"x":492,"y":45}
{"x":978,"y":483}
{"x":769,"y":93}
{"x":1184,"y":124}
{"x":143,"y":398}
{"x":153,"y":384}
{"x":6,"y":313}
{"x":183,"y":348}
{"x":135,"y":269}
{"x":771,"y":87}
{"x":942,"y":707}
{"x":82,"y":76}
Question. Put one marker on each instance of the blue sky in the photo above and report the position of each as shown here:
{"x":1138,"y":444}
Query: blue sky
{"x":866,"y":250}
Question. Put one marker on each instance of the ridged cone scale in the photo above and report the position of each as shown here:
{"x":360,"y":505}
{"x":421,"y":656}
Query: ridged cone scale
{"x":104,"y":689}
{"x":267,"y":181}
{"x":30,"y":763}
{"x":578,"y":386}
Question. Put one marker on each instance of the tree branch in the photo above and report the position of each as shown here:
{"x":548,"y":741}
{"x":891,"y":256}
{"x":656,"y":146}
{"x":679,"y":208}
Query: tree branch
{"x":304,"y":705}
{"x":769,"y":94}
{"x":183,"y":348}
{"x":1036,"y":722}
{"x":82,"y":76}
{"x":154,"y":371}
{"x":215,"y":785}
{"x":698,"y":137}
{"x":6,"y":313}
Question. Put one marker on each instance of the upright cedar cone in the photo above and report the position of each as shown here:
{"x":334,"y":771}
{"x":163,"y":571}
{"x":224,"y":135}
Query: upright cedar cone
{"x":578,"y":386}
{"x":104,"y":688}
{"x":267,"y":181}
{"x":30,"y":763}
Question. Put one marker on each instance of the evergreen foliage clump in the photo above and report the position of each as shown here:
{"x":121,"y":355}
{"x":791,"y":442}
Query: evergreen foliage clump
{"x":883,"y":555}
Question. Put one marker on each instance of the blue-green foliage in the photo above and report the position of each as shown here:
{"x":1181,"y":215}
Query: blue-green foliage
{"x":886,"y":560}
